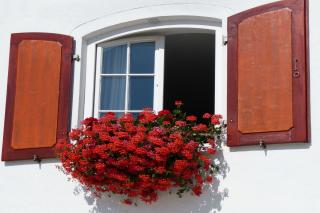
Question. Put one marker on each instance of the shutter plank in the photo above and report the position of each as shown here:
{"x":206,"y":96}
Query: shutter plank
{"x":37,"y":94}
{"x":265,"y":72}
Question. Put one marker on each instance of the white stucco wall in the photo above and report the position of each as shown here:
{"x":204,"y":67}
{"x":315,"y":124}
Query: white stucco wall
{"x":285,"y":178}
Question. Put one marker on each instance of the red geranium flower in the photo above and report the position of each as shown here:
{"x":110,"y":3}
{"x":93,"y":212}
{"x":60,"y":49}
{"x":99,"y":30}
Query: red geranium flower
{"x":209,"y":179}
{"x":215,"y":119}
{"x":197,"y":190}
{"x":127,"y":201}
{"x":191,"y":118}
{"x":180,"y":123}
{"x":206,"y":116}
{"x":138,"y":157}
{"x":178,"y":103}
{"x":211,"y":151}
{"x":200,"y":128}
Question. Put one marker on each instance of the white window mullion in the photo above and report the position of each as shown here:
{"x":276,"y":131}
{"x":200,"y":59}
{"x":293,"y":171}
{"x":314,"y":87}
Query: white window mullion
{"x":119,"y":110}
{"x":126,"y":103}
{"x":146,"y":74}
{"x":114,"y":110}
{"x":112,"y":74}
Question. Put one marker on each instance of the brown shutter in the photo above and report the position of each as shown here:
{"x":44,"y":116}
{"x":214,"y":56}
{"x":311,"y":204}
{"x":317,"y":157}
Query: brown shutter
{"x":267,"y":75}
{"x":38,"y":95}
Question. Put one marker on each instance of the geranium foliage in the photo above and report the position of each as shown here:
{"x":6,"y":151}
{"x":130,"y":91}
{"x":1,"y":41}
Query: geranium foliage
{"x":138,"y":157}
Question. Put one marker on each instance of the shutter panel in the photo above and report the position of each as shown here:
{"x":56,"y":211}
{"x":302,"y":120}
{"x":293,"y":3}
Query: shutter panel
{"x":267,"y":75}
{"x":38,"y":95}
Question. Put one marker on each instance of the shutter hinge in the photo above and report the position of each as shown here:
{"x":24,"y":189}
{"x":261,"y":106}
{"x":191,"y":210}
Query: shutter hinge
{"x":224,"y":40}
{"x":37,"y":159}
{"x":262,"y":144}
{"x":75,"y":57}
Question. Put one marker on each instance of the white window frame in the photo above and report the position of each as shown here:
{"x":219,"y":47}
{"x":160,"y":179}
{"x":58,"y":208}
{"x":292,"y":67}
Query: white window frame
{"x":158,"y":72}
{"x":84,"y":75}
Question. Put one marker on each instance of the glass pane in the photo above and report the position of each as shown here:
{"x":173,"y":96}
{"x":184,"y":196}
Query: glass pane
{"x":118,"y":114}
{"x":142,"y":57}
{"x":140,"y":93}
{"x":135,"y":114}
{"x":114,"y":59}
{"x":112,"y":95}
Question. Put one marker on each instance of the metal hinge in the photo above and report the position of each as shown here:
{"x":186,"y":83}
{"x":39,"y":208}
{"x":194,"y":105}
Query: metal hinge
{"x":75,"y":57}
{"x":224,"y":40}
{"x":262,"y":144}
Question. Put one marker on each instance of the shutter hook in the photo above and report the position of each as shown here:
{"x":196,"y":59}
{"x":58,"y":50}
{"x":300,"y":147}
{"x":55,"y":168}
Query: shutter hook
{"x":263,"y":145}
{"x":37,"y":159}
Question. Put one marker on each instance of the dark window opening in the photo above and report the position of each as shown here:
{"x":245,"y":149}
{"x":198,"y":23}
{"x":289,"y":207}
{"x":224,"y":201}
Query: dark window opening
{"x":189,"y":72}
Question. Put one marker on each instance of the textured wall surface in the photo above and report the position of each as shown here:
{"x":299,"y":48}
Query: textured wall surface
{"x":285,"y":178}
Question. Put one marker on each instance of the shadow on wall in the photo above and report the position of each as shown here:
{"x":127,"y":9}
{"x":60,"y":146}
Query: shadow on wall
{"x":209,"y":202}
{"x":272,"y":147}
{"x":31,"y":162}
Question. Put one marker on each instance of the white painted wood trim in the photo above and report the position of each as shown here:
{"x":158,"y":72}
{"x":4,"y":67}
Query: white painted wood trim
{"x":220,"y":70}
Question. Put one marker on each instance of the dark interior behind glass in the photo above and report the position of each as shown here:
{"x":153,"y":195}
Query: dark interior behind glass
{"x":189,"y":72}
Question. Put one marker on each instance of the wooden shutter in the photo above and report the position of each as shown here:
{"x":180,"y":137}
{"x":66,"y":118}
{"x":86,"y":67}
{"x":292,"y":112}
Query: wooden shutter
{"x":38,"y":95}
{"x":267,"y":75}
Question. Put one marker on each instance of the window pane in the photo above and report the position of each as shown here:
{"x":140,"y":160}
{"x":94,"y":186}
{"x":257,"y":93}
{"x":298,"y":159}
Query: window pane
{"x":118,"y":114}
{"x":114,"y":59}
{"x":112,"y":94}
{"x":140,"y":93}
{"x":142,"y":57}
{"x":135,"y":114}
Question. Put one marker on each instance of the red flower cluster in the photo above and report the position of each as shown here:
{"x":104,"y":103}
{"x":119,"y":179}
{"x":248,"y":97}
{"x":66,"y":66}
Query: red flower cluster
{"x":140,"y":157}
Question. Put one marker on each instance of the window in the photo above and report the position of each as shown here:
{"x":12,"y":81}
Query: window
{"x":128,"y":79}
{"x":131,"y":73}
